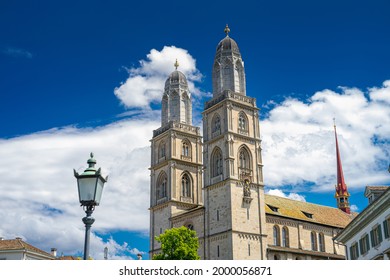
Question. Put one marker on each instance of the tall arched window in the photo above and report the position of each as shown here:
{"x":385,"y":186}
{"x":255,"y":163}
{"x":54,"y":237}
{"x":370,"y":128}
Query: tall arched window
{"x":242,"y":123}
{"x":285,"y":237}
{"x":241,"y":76}
{"x":276,"y":235}
{"x":164,"y":110}
{"x":216,"y":125}
{"x":244,"y":161}
{"x":174,"y":107}
{"x":161,"y":187}
{"x":227,"y":76}
{"x":186,"y":186}
{"x":321,"y":242}
{"x":161,"y":150}
{"x":313,"y":238}
{"x":186,"y":148}
{"x":216,"y":162}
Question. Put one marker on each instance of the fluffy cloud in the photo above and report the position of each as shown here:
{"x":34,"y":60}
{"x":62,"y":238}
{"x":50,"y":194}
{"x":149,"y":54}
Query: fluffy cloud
{"x":39,"y":200}
{"x":145,"y":84}
{"x":293,"y":196}
{"x":299,"y":142}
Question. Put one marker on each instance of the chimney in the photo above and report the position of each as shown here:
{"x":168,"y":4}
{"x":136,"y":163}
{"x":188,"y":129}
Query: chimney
{"x":54,"y":252}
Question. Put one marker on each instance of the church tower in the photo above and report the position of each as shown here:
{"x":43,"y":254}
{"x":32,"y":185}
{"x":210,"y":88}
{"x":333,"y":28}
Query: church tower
{"x":233,"y":176}
{"x":176,"y":159}
{"x":342,"y":194}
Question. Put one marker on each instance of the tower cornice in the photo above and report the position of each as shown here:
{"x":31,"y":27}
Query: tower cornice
{"x":228,"y":95}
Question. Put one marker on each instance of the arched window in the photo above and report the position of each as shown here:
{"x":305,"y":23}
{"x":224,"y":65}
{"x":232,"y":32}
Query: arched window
{"x":276,"y":235}
{"x":216,"y":125}
{"x":321,"y":242}
{"x":227,"y":76}
{"x":161,"y":187}
{"x":242,"y":123}
{"x":175,"y":107}
{"x":216,"y":163}
{"x":313,"y":238}
{"x":186,"y":148}
{"x":187,"y":118}
{"x":161,"y":150}
{"x":164,"y":110}
{"x":244,"y":162}
{"x":241,"y":76}
{"x":186,"y":186}
{"x":285,"y":237}
{"x":244,"y":159}
{"x":189,"y":226}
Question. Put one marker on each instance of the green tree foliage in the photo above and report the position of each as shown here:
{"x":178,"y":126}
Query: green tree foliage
{"x":178,"y":244}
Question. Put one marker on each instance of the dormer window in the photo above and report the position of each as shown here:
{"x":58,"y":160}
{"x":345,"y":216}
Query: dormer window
{"x":309,"y":215}
{"x":273,"y":208}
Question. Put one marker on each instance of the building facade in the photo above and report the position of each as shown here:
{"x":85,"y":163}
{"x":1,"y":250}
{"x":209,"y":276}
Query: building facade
{"x":367,"y":237}
{"x":17,"y":249}
{"x":215,"y":185}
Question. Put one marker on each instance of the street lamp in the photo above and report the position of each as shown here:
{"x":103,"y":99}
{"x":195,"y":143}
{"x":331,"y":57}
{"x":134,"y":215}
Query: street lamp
{"x":90,"y":186}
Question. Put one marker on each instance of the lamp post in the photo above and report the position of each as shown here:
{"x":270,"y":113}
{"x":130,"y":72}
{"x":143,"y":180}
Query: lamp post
{"x":90,"y":187}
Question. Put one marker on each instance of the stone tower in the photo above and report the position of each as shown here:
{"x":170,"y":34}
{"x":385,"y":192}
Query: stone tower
{"x":233,"y":177}
{"x":176,"y":159}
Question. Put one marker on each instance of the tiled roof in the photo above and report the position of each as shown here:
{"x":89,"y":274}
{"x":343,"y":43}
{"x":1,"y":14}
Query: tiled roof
{"x":305,"y":252}
{"x":67,"y":258}
{"x":377,"y":188}
{"x":305,"y":211}
{"x":19,"y":244}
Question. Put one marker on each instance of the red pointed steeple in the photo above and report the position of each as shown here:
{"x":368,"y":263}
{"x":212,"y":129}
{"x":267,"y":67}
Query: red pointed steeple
{"x":342,"y":194}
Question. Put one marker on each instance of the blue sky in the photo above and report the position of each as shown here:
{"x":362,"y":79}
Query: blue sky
{"x":68,"y":72}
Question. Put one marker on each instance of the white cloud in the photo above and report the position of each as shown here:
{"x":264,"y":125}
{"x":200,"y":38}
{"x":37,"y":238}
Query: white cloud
{"x":299,"y":144}
{"x":145,"y":84}
{"x":17,"y":52}
{"x":38,"y":191}
{"x":354,"y":208}
{"x":293,"y":196}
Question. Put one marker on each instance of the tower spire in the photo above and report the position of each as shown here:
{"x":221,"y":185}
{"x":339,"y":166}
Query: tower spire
{"x":176,"y":64}
{"x":227,"y":30}
{"x":341,"y":194}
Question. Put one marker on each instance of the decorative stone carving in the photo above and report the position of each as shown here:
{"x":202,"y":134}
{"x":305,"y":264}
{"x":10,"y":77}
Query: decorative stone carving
{"x":247,"y":191}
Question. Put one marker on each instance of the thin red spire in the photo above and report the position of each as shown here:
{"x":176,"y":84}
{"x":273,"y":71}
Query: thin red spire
{"x":341,"y":187}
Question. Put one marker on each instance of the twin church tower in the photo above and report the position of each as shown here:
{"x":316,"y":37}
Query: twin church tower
{"x":214,"y":186}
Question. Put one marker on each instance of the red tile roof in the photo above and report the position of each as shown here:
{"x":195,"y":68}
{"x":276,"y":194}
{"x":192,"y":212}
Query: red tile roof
{"x":18,"y":244}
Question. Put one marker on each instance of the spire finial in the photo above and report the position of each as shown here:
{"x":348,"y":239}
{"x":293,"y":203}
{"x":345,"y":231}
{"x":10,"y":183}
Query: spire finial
{"x":176,"y":64}
{"x":334,"y":123}
{"x":227,"y":30}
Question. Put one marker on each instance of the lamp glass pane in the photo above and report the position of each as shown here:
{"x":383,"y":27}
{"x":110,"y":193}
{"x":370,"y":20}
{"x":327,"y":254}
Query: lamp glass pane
{"x":87,"y":188}
{"x":99,"y":190}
